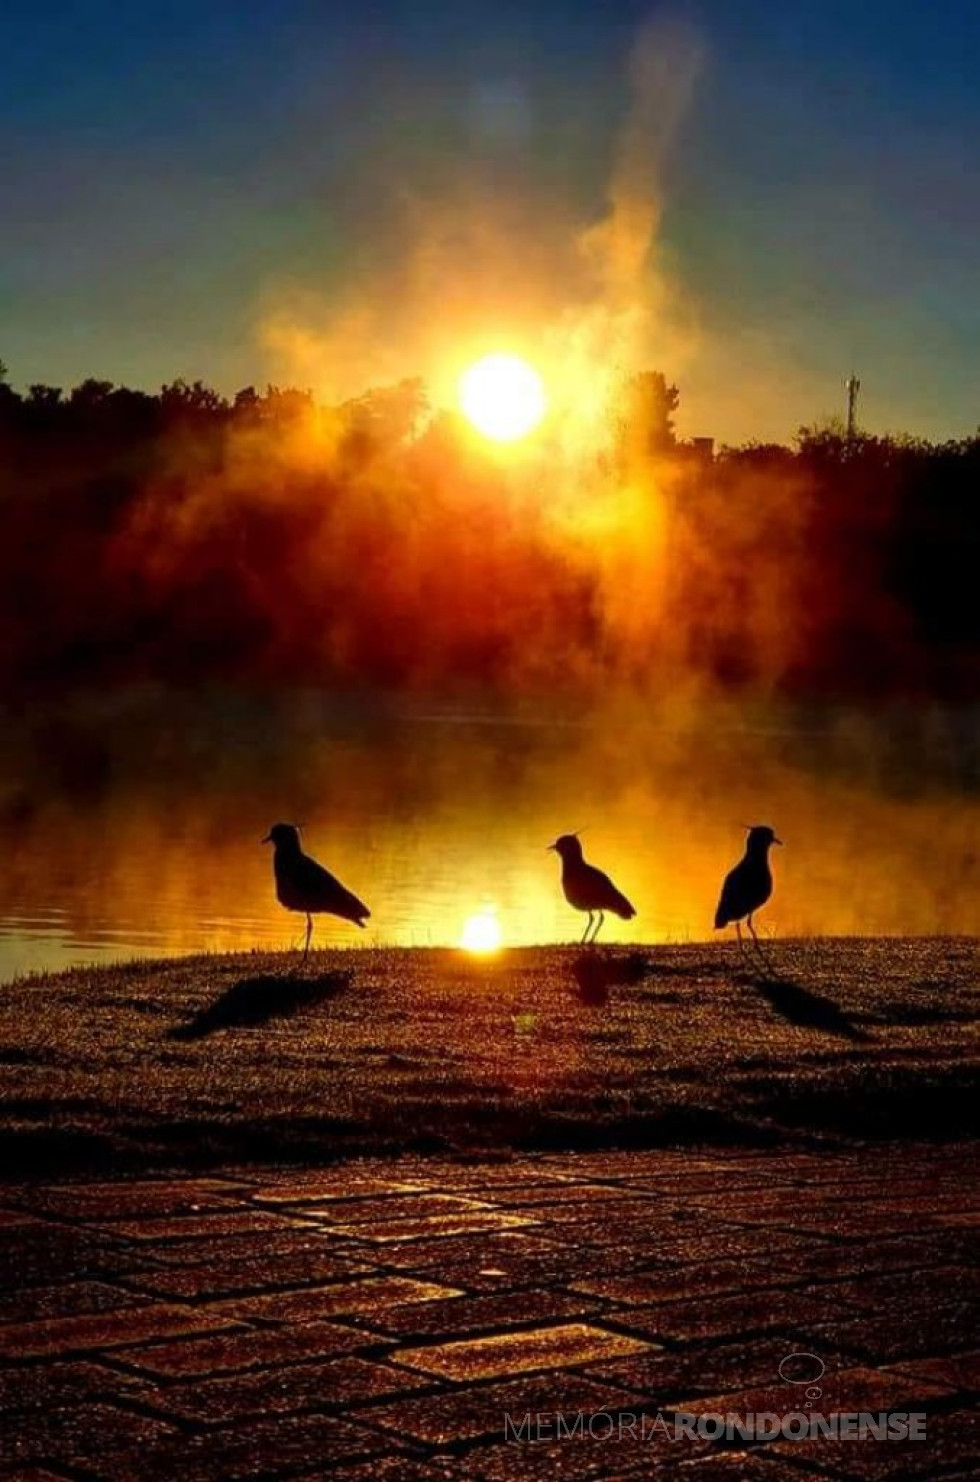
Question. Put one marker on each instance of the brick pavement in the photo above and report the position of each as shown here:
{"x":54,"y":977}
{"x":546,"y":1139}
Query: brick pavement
{"x":379,"y":1320}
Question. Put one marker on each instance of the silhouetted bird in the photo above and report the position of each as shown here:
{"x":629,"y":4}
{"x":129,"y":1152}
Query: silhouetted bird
{"x":749,"y":885}
{"x":586,"y":888}
{"x":303,"y":885}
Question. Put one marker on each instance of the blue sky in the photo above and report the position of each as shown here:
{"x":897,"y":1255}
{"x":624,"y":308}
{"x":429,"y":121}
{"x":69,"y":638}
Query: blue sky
{"x":168,"y":173}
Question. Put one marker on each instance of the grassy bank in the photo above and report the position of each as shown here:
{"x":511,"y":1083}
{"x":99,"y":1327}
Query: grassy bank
{"x":232,"y":1059}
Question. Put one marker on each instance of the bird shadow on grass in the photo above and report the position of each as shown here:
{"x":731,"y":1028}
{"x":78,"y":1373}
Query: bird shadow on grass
{"x":255,"y":1001}
{"x":806,"y":1009}
{"x":595,"y":974}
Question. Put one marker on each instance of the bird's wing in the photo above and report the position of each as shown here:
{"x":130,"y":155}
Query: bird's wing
{"x":746,"y":888}
{"x":728,"y":902}
{"x":320,"y":885}
{"x":606,"y":895}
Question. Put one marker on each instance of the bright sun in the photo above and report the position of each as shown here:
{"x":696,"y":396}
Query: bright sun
{"x":481,"y":933}
{"x":503,"y":397}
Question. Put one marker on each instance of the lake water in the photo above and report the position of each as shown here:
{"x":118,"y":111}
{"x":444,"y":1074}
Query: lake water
{"x":131,"y":826}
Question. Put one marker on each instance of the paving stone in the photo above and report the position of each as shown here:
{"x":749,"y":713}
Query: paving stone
{"x":687,"y":1281}
{"x":32,"y":1474}
{"x":68,"y":1299}
{"x":64,"y":1335}
{"x":145,"y":1197}
{"x":336,"y":1382}
{"x":283,"y":1446}
{"x":381,"y":1232}
{"x":960,"y":1371}
{"x":54,"y":1385}
{"x":842,"y":1390}
{"x":952,"y":1442}
{"x":588,"y":1195}
{"x":478,"y":1412}
{"x":362,"y":1210}
{"x":741,"y":1466}
{"x":98,"y":1437}
{"x":194,"y":1226}
{"x":257,"y":1273}
{"x":245,"y":1349}
{"x":572,"y":1344}
{"x":666,"y":1376}
{"x":513,"y":1258}
{"x":232,"y":1250}
{"x":886,"y":1337}
{"x":11,"y":1219}
{"x":338,"y":1183}
{"x":367,"y":1296}
{"x":747,"y":1313}
{"x":471,"y":1314}
{"x":395,"y":1469}
{"x":599,"y":1458}
{"x":49,"y":1251}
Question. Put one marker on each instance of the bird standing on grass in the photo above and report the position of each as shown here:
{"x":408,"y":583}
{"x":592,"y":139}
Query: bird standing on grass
{"x":748,"y":886}
{"x":586,"y":888}
{"x":303,"y":885}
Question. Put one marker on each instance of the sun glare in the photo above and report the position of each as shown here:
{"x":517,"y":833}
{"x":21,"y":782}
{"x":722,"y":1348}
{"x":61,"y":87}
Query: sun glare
{"x":481,"y":933}
{"x":503,"y":397}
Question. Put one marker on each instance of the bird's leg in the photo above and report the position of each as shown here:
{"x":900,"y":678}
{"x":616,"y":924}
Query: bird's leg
{"x":763,"y":956}
{"x":602,"y":917}
{"x":741,"y":943}
{"x":588,"y":928}
{"x":309,"y":933}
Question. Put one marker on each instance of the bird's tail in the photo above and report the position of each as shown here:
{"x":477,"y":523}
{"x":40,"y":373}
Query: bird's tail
{"x":622,"y":907}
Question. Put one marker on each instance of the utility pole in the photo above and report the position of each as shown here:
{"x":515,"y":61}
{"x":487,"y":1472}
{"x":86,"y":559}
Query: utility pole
{"x":853,"y":386}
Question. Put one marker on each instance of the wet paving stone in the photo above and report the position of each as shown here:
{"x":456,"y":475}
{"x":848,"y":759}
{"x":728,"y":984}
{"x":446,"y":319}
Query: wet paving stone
{"x":565,"y":1346}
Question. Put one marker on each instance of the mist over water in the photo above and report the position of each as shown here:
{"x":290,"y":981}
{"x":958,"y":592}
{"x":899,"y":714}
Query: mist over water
{"x":131,"y":825}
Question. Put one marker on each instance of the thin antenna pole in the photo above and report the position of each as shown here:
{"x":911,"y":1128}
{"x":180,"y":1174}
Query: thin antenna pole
{"x":853,"y":387}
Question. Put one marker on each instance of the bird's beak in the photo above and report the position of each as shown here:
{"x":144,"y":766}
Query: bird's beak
{"x":549,"y":848}
{"x":775,"y":840}
{"x":266,"y":840}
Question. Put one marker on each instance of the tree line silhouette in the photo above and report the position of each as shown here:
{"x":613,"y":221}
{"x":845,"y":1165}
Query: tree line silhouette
{"x":185,"y":537}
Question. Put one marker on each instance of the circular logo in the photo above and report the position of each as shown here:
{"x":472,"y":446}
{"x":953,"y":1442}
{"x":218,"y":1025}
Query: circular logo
{"x":797,"y":1368}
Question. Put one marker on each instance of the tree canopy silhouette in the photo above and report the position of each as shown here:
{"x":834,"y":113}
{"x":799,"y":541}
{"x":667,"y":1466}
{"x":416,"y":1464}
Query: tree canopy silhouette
{"x":187,"y":536}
